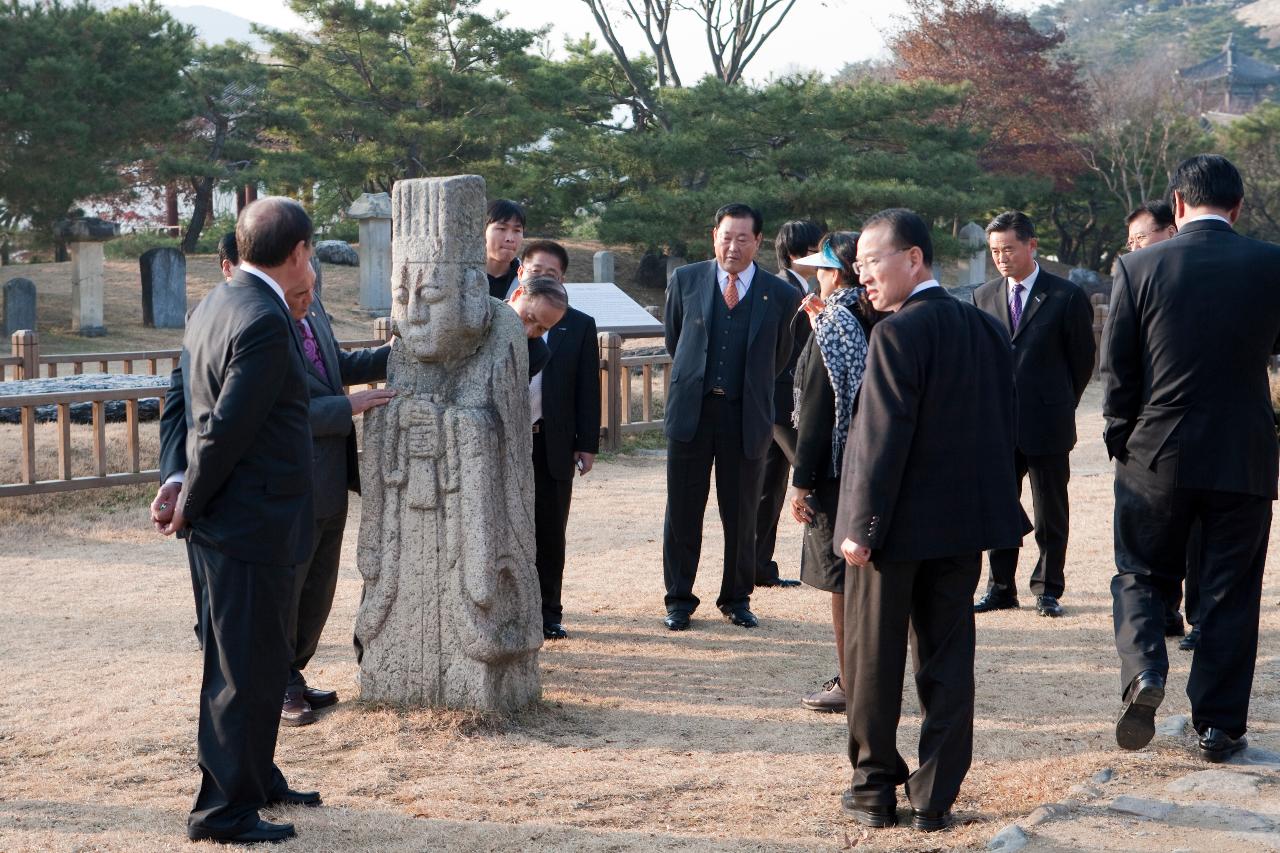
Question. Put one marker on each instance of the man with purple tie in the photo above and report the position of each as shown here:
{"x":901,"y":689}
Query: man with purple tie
{"x":1050,"y":325}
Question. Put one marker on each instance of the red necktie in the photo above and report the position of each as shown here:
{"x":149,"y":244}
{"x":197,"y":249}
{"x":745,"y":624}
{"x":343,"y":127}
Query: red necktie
{"x":731,"y":292}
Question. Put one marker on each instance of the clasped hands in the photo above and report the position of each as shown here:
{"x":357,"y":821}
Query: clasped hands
{"x":166,"y":515}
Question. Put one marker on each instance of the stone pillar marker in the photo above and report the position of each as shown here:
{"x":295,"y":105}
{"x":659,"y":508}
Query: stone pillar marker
{"x":602,"y":263}
{"x":86,"y":237}
{"x":164,"y":288}
{"x":973,"y":236}
{"x":19,"y":305}
{"x":319,"y":271}
{"x":373,"y":210}
{"x":451,"y":612}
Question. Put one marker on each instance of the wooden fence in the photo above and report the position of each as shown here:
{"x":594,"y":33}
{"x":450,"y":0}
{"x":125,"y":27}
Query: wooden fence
{"x":25,"y":361}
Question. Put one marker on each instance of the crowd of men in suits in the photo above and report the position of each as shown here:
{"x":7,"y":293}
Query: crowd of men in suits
{"x":953,"y":399}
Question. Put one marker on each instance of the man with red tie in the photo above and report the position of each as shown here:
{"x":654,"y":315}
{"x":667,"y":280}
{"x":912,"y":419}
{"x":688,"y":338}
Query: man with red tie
{"x":728,"y":333}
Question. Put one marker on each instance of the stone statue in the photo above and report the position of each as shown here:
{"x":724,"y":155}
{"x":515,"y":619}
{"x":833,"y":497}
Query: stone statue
{"x":451,"y":609}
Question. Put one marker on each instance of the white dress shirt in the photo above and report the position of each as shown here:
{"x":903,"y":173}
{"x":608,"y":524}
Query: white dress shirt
{"x":924,"y":285}
{"x":1027,"y":283}
{"x":744,"y":280}
{"x":535,"y":391}
{"x":1204,"y":216}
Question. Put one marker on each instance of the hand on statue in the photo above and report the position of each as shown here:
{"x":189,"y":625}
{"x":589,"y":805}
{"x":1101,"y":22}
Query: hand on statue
{"x":362,"y":401}
{"x":584,"y":461}
{"x":163,"y":507}
{"x":855,"y":554}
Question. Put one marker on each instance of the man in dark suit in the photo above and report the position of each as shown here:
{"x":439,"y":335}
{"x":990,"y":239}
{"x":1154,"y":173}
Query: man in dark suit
{"x":1150,"y":223}
{"x":1190,"y":424}
{"x":1050,"y":322}
{"x":935,"y":421}
{"x":795,"y":240}
{"x":335,"y":470}
{"x":247,"y":509}
{"x":728,"y":333}
{"x":564,"y":401}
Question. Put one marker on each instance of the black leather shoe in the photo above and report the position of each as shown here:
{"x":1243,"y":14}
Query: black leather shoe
{"x":677,"y":620}
{"x":290,"y":797}
{"x":781,"y":583}
{"x":927,"y":821}
{"x":1188,"y":643}
{"x":876,"y":817}
{"x":1047,"y":605}
{"x":320,"y":698}
{"x":1174,"y":626}
{"x":996,"y":601}
{"x":1137,"y":724}
{"x":554,"y":632}
{"x":268,"y":832}
{"x":1217,"y":746}
{"x":742,"y":617}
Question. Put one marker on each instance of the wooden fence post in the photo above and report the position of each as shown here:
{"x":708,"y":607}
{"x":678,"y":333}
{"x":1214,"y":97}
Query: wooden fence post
{"x":611,"y":387}
{"x":382,"y":329}
{"x":26,"y":345}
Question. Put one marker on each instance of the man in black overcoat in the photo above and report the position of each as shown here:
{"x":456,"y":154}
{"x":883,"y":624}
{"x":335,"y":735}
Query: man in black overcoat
{"x":928,"y":483}
{"x":1189,"y":421}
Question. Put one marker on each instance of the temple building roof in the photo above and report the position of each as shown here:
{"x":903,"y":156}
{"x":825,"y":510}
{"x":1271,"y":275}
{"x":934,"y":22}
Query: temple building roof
{"x":1232,"y":66}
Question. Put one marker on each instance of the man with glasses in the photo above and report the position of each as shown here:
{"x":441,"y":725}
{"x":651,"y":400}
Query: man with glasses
{"x":928,"y":483}
{"x":728,"y":333}
{"x":1150,"y":223}
{"x":1050,"y":322}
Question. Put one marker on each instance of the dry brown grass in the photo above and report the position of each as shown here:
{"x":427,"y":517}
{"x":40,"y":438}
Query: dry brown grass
{"x":643,"y":740}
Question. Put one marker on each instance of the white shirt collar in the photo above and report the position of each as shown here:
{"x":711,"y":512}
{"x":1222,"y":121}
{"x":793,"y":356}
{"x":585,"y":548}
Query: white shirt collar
{"x":1027,"y":283}
{"x":744,"y":278}
{"x":924,"y":285}
{"x":250,"y":268}
{"x":1205,"y":216}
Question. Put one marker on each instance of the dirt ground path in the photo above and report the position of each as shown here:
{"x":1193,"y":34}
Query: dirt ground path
{"x":644,"y":739}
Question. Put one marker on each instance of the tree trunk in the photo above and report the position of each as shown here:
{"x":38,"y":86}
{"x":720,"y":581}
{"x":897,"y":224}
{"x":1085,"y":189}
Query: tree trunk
{"x":203,"y":206}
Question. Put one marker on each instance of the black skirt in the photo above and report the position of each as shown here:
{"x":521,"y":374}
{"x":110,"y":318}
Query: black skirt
{"x":820,"y":568}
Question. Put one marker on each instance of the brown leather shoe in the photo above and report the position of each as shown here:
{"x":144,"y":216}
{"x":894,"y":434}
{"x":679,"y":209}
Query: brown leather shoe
{"x":296,"y":711}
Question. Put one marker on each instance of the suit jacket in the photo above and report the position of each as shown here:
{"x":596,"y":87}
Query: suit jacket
{"x":1053,"y":353}
{"x":248,"y":476}
{"x":784,"y":388}
{"x":1184,"y":359}
{"x":571,"y":393}
{"x":769,"y":343}
{"x":929,"y":468}
{"x":335,"y":465}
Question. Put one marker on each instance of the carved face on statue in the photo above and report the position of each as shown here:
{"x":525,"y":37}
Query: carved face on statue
{"x":440,"y":311}
{"x":440,"y":304}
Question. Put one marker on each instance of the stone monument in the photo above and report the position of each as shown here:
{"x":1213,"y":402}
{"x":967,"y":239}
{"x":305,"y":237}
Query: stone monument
{"x":451,"y":613}
{"x":602,"y":267}
{"x":973,"y":270}
{"x":86,"y":236}
{"x":373,"y":210}
{"x":164,"y":288}
{"x":19,"y":308}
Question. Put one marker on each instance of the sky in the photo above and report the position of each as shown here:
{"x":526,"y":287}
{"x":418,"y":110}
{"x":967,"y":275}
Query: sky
{"x":818,"y":35}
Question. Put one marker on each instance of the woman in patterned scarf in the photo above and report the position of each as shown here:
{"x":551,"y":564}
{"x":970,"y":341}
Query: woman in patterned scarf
{"x":828,"y":375}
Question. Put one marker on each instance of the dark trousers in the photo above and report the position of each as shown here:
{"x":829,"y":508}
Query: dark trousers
{"x":197,"y":590}
{"x":773,"y":491}
{"x":246,"y":666}
{"x":1195,"y":548}
{"x":313,"y":587}
{"x":1152,"y":522}
{"x":551,"y":499}
{"x":1049,"y":476}
{"x":931,"y":601}
{"x":719,"y":441}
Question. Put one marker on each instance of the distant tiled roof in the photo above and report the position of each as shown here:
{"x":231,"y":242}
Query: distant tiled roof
{"x":1229,"y":64}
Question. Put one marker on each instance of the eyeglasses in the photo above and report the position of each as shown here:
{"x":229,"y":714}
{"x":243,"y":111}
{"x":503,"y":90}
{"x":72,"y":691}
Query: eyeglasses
{"x":1136,"y":241}
{"x":859,"y":267}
